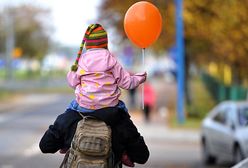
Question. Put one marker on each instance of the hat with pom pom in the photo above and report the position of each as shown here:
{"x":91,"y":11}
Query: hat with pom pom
{"x":94,"y":37}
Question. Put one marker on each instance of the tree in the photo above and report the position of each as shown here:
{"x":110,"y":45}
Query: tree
{"x":31,"y":29}
{"x":216,"y":31}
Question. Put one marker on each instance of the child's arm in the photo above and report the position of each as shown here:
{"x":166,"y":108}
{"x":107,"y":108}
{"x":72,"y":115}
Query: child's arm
{"x":73,"y":79}
{"x":125,"y":80}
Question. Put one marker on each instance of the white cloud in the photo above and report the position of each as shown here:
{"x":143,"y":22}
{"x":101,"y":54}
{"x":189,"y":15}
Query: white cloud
{"x":71,"y":19}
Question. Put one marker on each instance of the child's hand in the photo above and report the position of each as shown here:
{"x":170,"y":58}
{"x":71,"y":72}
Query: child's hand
{"x":144,"y":75}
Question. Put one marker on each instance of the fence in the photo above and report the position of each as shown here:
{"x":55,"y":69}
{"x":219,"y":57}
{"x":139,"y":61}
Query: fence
{"x":220,"y":91}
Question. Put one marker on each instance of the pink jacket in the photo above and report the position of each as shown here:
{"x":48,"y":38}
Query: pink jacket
{"x":149,"y":95}
{"x":98,"y":79}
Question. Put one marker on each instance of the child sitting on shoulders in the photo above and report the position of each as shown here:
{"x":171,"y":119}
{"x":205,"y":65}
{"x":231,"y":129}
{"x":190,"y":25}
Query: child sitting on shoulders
{"x":97,"y":78}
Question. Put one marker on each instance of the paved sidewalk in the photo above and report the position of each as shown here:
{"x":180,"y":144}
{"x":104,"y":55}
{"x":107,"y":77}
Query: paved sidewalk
{"x":21,"y":100}
{"x":168,"y":147}
{"x":242,"y":164}
{"x":157,"y":129}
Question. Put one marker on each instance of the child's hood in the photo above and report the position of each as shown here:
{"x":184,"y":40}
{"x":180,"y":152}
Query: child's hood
{"x":97,"y":60}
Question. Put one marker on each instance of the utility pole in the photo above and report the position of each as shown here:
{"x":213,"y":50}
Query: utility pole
{"x":10,"y":42}
{"x":181,"y":61}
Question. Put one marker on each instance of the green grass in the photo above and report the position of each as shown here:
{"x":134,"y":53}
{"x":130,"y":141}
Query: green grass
{"x":29,"y":76}
{"x":7,"y":95}
{"x":50,"y":90}
{"x":201,"y":104}
{"x":2,"y":73}
{"x":24,"y":74}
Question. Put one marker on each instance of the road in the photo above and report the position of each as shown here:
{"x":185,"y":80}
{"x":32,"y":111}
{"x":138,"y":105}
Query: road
{"x":23,"y":124}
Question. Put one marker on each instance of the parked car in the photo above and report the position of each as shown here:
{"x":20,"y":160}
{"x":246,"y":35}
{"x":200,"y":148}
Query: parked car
{"x":225,"y":133}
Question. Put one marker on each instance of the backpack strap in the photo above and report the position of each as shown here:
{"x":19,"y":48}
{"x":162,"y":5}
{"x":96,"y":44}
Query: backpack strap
{"x":65,"y":159}
{"x":86,"y":117}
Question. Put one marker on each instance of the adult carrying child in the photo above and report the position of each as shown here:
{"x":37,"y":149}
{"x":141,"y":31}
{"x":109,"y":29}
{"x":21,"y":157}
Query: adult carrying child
{"x":97,"y":77}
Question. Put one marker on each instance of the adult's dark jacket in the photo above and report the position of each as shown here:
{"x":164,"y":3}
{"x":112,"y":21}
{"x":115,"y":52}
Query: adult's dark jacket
{"x":125,"y":136}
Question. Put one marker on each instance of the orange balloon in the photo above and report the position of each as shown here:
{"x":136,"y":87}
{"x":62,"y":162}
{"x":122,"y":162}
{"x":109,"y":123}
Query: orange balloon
{"x":143,"y":23}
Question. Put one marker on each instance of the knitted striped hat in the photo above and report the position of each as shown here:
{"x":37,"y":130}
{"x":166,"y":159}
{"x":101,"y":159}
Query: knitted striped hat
{"x":94,"y":37}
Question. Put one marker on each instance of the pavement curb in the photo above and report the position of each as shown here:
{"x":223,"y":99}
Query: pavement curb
{"x":242,"y":164}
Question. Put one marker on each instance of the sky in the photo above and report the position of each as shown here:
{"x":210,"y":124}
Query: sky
{"x":70,"y":18}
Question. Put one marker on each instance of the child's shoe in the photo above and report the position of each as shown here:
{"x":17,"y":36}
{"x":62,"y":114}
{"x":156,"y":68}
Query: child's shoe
{"x":126,"y":160}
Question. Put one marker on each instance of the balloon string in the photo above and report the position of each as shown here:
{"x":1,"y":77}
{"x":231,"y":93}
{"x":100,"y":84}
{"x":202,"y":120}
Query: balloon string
{"x":142,"y":86}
